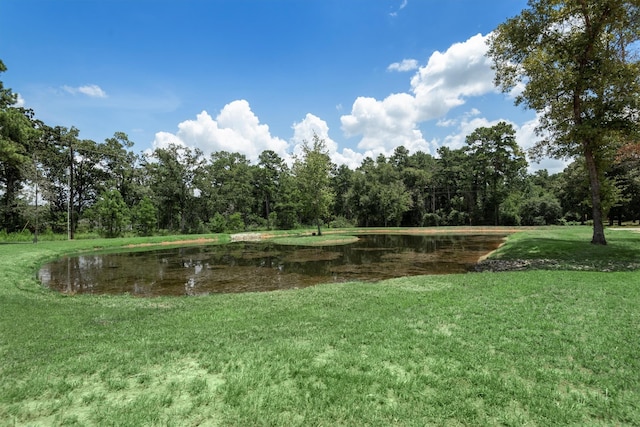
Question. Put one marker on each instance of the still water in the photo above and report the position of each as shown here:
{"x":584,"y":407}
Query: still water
{"x":264,"y":266}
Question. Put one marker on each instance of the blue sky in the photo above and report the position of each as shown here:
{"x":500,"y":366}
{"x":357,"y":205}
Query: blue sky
{"x":250,"y":75}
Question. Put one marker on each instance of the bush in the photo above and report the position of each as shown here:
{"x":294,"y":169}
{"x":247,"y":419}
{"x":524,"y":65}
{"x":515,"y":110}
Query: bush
{"x":235,"y":222}
{"x":20,"y":236}
{"x":509,"y":218}
{"x":341,"y":222}
{"x":542,"y":210}
{"x":431,"y":220}
{"x":112,"y":213}
{"x":255,"y":222}
{"x":273,"y":221}
{"x":456,"y":217}
{"x":145,"y":217}
{"x":217,"y":224}
{"x":287,"y":219}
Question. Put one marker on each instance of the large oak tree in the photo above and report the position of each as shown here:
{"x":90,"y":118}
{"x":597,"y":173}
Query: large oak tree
{"x":577,"y":64}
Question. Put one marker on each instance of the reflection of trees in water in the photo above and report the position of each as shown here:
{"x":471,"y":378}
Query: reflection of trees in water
{"x":248,"y":267}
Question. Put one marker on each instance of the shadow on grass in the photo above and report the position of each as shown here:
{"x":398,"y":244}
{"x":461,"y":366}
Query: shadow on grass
{"x":566,"y":250}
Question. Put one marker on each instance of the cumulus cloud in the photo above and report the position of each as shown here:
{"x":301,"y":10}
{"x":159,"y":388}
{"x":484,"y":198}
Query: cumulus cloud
{"x":526,"y":138}
{"x":93,"y":91}
{"x":449,"y":78}
{"x":466,"y":125}
{"x":404,"y":65}
{"x":304,"y":131}
{"x":445,"y":82}
{"x":236,"y":129}
{"x":385,"y":124}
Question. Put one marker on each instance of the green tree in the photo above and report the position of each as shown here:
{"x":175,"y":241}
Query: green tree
{"x":54,"y":158}
{"x":17,"y":138}
{"x":145,"y":217}
{"x":392,"y":198}
{"x":498,"y":167}
{"x":267,"y":181}
{"x":542,"y":209}
{"x":89,"y":177}
{"x":225,"y":185}
{"x":360,"y":196}
{"x":119,"y":165}
{"x":627,"y":166}
{"x":111,"y":213}
{"x":289,"y":208}
{"x":312,"y":174}
{"x":573,"y":192}
{"x":341,"y":184}
{"x":379,"y":195}
{"x":576,"y":61}
{"x":418,"y":175}
{"x":172,"y":173}
{"x":7,"y":97}
{"x":453,"y":192}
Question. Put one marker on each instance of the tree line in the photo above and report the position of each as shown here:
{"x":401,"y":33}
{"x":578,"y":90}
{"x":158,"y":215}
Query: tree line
{"x":575,"y":62}
{"x":51,"y":180}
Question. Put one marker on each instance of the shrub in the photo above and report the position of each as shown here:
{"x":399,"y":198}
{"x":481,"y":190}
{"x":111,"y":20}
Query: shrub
{"x":145,"y":217}
{"x":456,"y":217}
{"x":541,"y":210}
{"x":431,"y":220}
{"x":218,"y":224}
{"x":235,"y":222}
{"x":340,"y":222}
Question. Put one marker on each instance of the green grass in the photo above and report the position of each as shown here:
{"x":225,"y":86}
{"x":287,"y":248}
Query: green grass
{"x":535,"y":347}
{"x":565,"y":248}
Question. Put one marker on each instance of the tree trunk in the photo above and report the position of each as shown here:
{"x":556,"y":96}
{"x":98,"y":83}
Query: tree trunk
{"x":594,"y":184}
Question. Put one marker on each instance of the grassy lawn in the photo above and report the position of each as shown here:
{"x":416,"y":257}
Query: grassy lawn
{"x":536,"y":347}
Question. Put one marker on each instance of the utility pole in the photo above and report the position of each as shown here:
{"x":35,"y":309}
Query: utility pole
{"x":35,"y":165}
{"x":70,"y":201}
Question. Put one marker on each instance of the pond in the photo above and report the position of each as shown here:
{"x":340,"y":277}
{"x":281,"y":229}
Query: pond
{"x":264,"y":266}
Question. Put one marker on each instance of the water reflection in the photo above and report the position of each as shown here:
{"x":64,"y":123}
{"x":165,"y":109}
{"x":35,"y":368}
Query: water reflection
{"x":264,"y":266}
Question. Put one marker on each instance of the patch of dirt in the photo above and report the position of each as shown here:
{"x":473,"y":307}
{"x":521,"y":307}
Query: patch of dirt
{"x":246,"y":237}
{"x":199,"y":241}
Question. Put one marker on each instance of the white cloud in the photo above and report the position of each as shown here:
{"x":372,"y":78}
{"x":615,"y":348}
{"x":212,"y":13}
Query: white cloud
{"x":469,"y":123}
{"x":444,"y":83}
{"x":405,"y":65}
{"x":236,"y":129}
{"x":449,"y":78}
{"x":93,"y":91}
{"x":526,"y":138}
{"x":402,"y":6}
{"x":19,"y":101}
{"x":384,"y":124}
{"x":304,"y":130}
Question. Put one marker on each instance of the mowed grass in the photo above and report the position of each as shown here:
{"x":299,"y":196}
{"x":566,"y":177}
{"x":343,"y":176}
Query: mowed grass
{"x":521,"y":348}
